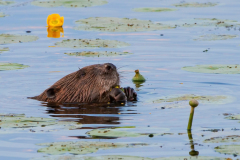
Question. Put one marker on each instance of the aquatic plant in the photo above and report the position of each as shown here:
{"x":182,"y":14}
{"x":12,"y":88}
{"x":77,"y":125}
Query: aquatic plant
{"x":193,"y":103}
{"x":6,"y":2}
{"x":97,"y":54}
{"x":54,"y":20}
{"x":11,"y":66}
{"x":4,"y":49}
{"x":2,"y":14}
{"x":138,"y":77}
{"x":195,"y":4}
{"x":153,"y":9}
{"x":13,"y":38}
{"x":213,"y":37}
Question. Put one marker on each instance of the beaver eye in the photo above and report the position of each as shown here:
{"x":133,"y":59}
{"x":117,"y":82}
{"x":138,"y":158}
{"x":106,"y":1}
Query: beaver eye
{"x":107,"y":67}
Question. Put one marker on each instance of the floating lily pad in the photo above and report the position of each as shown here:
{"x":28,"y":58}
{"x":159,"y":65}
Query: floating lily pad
{"x":91,"y":43}
{"x":226,"y":139}
{"x":11,"y":66}
{"x":6,"y":2}
{"x":215,"y":68}
{"x":83,"y":147}
{"x":183,"y":100}
{"x":12,"y":38}
{"x":126,"y":132}
{"x":192,"y":158}
{"x":152,"y":9}
{"x":196,"y":4}
{"x":213,"y":37}
{"x":97,"y":54}
{"x":228,"y":149}
{"x":233,"y":117}
{"x":112,"y":24}
{"x":2,"y":14}
{"x":14,"y":123}
{"x":3,"y":50}
{"x":67,"y":3}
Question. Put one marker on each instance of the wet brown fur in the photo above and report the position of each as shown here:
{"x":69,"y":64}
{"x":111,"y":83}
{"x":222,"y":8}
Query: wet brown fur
{"x":89,"y":84}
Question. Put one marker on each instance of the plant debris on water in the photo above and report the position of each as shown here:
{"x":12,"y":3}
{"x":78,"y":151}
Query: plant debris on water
{"x":3,"y":49}
{"x":233,"y":117}
{"x":213,"y":37}
{"x":67,"y":3}
{"x":226,"y":139}
{"x":6,"y":2}
{"x":12,"y":38}
{"x":233,"y":149}
{"x":11,"y":66}
{"x":195,"y":4}
{"x":83,"y":147}
{"x":214,"y":68}
{"x":2,"y":14}
{"x":113,"y":24}
{"x":152,"y":9}
{"x":97,"y":54}
{"x":91,"y":43}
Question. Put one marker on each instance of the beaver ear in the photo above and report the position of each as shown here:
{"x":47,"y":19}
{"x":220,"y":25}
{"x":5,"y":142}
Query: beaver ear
{"x":81,"y":73}
{"x":51,"y":92}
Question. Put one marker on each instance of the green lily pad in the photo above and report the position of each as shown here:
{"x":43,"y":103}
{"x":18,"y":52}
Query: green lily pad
{"x":126,"y":132}
{"x":196,"y":4}
{"x":233,"y":117}
{"x":12,"y":38}
{"x":213,"y":37}
{"x":2,"y":14}
{"x":91,"y":43}
{"x":11,"y":66}
{"x":113,"y":24}
{"x":14,"y":123}
{"x":97,"y":54}
{"x":192,"y":158}
{"x":226,"y":139}
{"x":6,"y":2}
{"x":215,"y":68}
{"x":67,"y":3}
{"x":83,"y":147}
{"x":3,"y":49}
{"x":152,"y":9}
{"x":228,"y":149}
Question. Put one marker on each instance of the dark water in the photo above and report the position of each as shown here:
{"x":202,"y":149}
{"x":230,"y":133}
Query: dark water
{"x":159,"y":59}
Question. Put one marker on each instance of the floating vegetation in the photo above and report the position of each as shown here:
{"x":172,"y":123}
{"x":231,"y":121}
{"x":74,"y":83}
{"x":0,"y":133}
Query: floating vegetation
{"x":233,"y":117}
{"x":125,"y":132}
{"x":97,"y":54}
{"x":67,"y":3}
{"x":196,"y":4}
{"x":112,"y":24}
{"x":6,"y":2}
{"x":182,"y":100}
{"x":3,"y":49}
{"x":213,"y":37}
{"x":192,"y":158}
{"x":11,"y":66}
{"x":228,"y":149}
{"x":14,"y":123}
{"x":91,"y":43}
{"x":215,"y":68}
{"x":12,"y":38}
{"x":152,"y":9}
{"x":83,"y":147}
{"x":226,"y":139}
{"x":2,"y":14}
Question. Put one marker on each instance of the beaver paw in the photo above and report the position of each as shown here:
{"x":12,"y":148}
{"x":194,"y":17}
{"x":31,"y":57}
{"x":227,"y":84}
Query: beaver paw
{"x":130,"y":94}
{"x":117,"y":95}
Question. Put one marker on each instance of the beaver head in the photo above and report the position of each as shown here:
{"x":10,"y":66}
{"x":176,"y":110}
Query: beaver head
{"x":89,"y":84}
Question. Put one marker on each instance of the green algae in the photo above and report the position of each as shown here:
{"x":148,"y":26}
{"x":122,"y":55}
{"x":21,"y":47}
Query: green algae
{"x":152,"y":9}
{"x":213,"y":37}
{"x":113,"y":24}
{"x":11,"y":66}
{"x":11,"y":38}
{"x":83,"y":147}
{"x":225,"y":139}
{"x":67,"y":3}
{"x":6,"y":2}
{"x":228,"y":149}
{"x":97,"y":54}
{"x":215,"y":69}
{"x":91,"y":43}
{"x":3,"y":49}
{"x":195,"y":4}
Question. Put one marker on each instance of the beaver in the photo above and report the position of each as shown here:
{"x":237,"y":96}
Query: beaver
{"x":94,"y":83}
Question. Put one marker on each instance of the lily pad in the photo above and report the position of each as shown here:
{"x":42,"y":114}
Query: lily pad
{"x":11,"y":66}
{"x":226,"y":139}
{"x":91,"y":43}
{"x":152,"y":9}
{"x":67,"y":3}
{"x":97,"y":54}
{"x":3,"y":49}
{"x":215,"y":68}
{"x":192,"y":158}
{"x":228,"y":149}
{"x":83,"y":147}
{"x":233,"y":117}
{"x":14,"y":123}
{"x":2,"y":14}
{"x":6,"y":2}
{"x":113,"y":24}
{"x":12,"y":38}
{"x":195,"y":4}
{"x":213,"y":37}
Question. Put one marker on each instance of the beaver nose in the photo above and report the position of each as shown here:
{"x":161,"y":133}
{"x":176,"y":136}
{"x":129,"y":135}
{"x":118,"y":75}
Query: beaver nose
{"x":108,"y":67}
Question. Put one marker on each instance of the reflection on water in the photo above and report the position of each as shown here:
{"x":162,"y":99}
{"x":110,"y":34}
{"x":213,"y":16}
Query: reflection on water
{"x":192,"y":152}
{"x":138,"y":85}
{"x":55,"y":32}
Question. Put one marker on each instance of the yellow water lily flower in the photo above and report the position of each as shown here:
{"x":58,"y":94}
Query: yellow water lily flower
{"x":54,"y":32}
{"x":55,"y":20}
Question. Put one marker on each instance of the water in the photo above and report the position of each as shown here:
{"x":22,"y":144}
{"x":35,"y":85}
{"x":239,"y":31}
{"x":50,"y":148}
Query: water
{"x":159,"y":59}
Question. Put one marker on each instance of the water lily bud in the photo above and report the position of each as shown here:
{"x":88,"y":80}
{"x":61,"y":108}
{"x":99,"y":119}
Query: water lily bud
{"x":193,"y":103}
{"x":138,"y":77}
